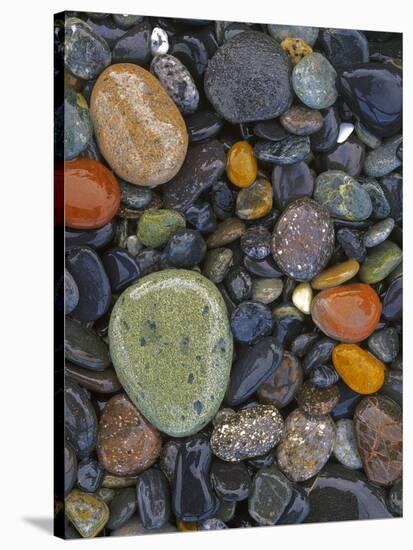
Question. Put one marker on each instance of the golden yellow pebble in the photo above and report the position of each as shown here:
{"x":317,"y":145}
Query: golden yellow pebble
{"x":302,"y":297}
{"x":88,"y":513}
{"x":336,"y":275}
{"x":295,"y":48}
{"x":242,"y":165}
{"x":186,"y":525}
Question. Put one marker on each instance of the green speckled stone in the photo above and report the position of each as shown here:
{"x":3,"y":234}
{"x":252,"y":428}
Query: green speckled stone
{"x":156,"y":226}
{"x":78,"y":128}
{"x":380,"y":262}
{"x":313,"y":80}
{"x":342,"y":196}
{"x":171,"y":346}
{"x":88,"y":513}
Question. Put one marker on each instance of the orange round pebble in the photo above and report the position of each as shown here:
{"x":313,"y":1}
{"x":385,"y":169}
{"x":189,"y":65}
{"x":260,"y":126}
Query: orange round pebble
{"x":241,"y":164}
{"x":359,"y":369}
{"x":336,"y":275}
{"x":348,"y":313}
{"x":92,"y":194}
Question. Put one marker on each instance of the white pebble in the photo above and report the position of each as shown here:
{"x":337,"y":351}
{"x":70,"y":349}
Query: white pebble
{"x":345,"y":131}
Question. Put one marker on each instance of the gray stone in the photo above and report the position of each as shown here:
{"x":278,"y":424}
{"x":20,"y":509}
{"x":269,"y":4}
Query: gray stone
{"x":345,"y":447}
{"x":383,"y":160}
{"x":270,"y":494}
{"x":290,"y":150}
{"x":313,"y":80}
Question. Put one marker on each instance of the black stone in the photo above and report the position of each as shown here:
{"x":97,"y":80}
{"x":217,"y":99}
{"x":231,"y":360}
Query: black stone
{"x":251,"y":321}
{"x":148,"y":261}
{"x":288,"y":323}
{"x":347,"y":156}
{"x":393,"y":386}
{"x":256,"y":242}
{"x":347,"y":402}
{"x":324,"y":376}
{"x":84,"y":348}
{"x":121,"y":507}
{"x":189,"y":48}
{"x":238,"y":283}
{"x":319,"y":353}
{"x":289,"y":150}
{"x":167,"y":458}
{"x":203,"y":125}
{"x":133,"y":196}
{"x":153,"y":499}
{"x":231,"y":481}
{"x":352,"y":243}
{"x":264,"y":461}
{"x":392,"y":186}
{"x":121,"y":268}
{"x":297,"y":509}
{"x":222,"y":200}
{"x":95,"y":238}
{"x":264,"y":268}
{"x":270,"y":129}
{"x":326,"y":137}
{"x":393,"y":300}
{"x":106,"y":28}
{"x":303,"y":342}
{"x":201,"y":215}
{"x":291,"y":182}
{"x":344,"y":46}
{"x":89,"y":475}
{"x":185,"y":249}
{"x":81,"y":425}
{"x":134,"y":46}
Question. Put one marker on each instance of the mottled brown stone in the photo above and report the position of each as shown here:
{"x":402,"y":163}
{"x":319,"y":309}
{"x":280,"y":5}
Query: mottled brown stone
{"x":378,"y":427}
{"x":317,"y":401}
{"x":227,"y":232}
{"x":138,"y":127}
{"x":127,"y":443}
{"x":282,"y":386}
{"x":301,"y":121}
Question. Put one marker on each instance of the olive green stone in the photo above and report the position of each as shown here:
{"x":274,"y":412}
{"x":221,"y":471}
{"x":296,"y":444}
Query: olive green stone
{"x":88,"y":513}
{"x":171,"y":345}
{"x":380,"y":262}
{"x":156,"y":226}
{"x":217,"y":264}
{"x":342,"y":196}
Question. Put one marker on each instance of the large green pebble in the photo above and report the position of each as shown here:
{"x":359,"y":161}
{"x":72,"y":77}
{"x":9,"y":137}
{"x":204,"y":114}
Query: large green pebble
{"x":380,"y":262}
{"x":313,"y":80}
{"x":157,"y":226}
{"x":171,"y":346}
{"x":342,"y":196}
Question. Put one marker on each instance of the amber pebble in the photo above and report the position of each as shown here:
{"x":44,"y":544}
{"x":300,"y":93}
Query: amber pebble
{"x":317,"y":401}
{"x":186,"y":525}
{"x":378,"y":427}
{"x":359,"y":369}
{"x":127,"y":443}
{"x":336,"y":275}
{"x":296,"y":48}
{"x":348,"y":313}
{"x":255,"y":201}
{"x":92,"y":194}
{"x":241,"y":164}
{"x":138,"y":127}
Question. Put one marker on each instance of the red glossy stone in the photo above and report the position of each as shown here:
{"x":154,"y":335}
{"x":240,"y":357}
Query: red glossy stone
{"x":348,"y":313}
{"x":92,"y":194}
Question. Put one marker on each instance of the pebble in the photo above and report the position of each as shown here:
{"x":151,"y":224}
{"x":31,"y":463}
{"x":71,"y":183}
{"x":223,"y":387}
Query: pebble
{"x":306,"y":445}
{"x":159,"y":41}
{"x":119,"y":482}
{"x":238,"y":283}
{"x":344,"y":46}
{"x":148,"y":261}
{"x":145,"y":146}
{"x":251,"y":321}
{"x":378,"y":232}
{"x":77,"y":124}
{"x":378,"y":428}
{"x":201,"y":215}
{"x":340,"y":494}
{"x":383,"y":160}
{"x":348,"y":313}
{"x":347,"y":157}
{"x":94,"y":238}
{"x":202,"y":125}
{"x":192,"y":496}
{"x":269,"y":129}
{"x":384,"y":344}
{"x":313,"y":81}
{"x":133,"y":245}
{"x":153,"y":499}
{"x":141,"y":328}
{"x":266,"y":291}
{"x":303,"y":342}
{"x":127,"y":443}
{"x":241,"y":164}
{"x":185,"y":249}
{"x":155,"y":227}
{"x":253,"y":366}
{"x":167,"y":458}
{"x":342,"y":196}
{"x":289,"y":150}
{"x":231,"y":480}
{"x":301,"y":121}
{"x":323,"y":376}
{"x":86,"y":53}
{"x":133,"y":196}
{"x":380,"y":262}
{"x":352,"y":243}
{"x":134,"y":527}
{"x":359,"y":369}
{"x":374,"y":93}
{"x":345,"y":448}
{"x":70,"y":465}
{"x":92,"y":281}
{"x":316,"y":401}
{"x":249,"y":433}
{"x":296,"y":48}
{"x":211,"y":524}
{"x":177,"y":81}
{"x":395,"y":499}
{"x":297,"y":509}
{"x":191,"y":51}
{"x":256,"y":242}
{"x":392,"y":186}
{"x":270,"y":495}
{"x":126,"y":21}
{"x":326,"y":138}
{"x":80,"y":419}
{"x":88,"y":513}
{"x":393,"y":300}
{"x":318,"y":354}
{"x":227,"y":232}
{"x":367,"y":137}
{"x":71,"y":293}
{"x":239,"y":84}
{"x":121,"y":268}
{"x":262,"y":268}
{"x":121,"y":508}
{"x":203,"y":166}
{"x":336,"y":275}
{"x":255,"y":201}
{"x":282,"y":385}
{"x":217,"y":264}
{"x":381,"y":206}
{"x":89,"y":475}
{"x":288,"y":322}
{"x":303,"y":239}
{"x":281,"y":32}
{"x":134,"y":46}
{"x":302,"y":297}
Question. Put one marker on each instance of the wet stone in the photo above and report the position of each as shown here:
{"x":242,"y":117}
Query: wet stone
{"x":381,"y":206}
{"x":239,"y":84}
{"x":134,"y":196}
{"x":134,"y":46}
{"x":383,"y":160}
{"x":282,"y":386}
{"x":157,"y":226}
{"x":384,"y":344}
{"x":153,"y":499}
{"x":84,"y":347}
{"x":289,"y":150}
{"x":302,"y":297}
{"x":134,"y":527}
{"x":318,"y":354}
{"x":266,"y":291}
{"x":316,"y":401}
{"x":377,"y":423}
{"x":347,"y":156}
{"x":121,"y":268}
{"x":105,"y":381}
{"x":148,"y":261}
{"x":270,"y":129}
{"x":352,"y":243}
{"x":249,"y":433}
{"x":231,"y":481}
{"x":395,"y":499}
{"x":185,"y":249}
{"x":95,"y":238}
{"x":280,"y":32}
{"x":89,"y":475}
{"x":359,"y":369}
{"x":222,"y":414}
{"x":392,"y":186}
{"x":70,"y":464}
{"x":191,"y":51}
{"x":297,"y":509}
{"x":393,"y":300}
{"x":326,"y":138}
{"x":288,"y":323}
{"x":106,"y":28}
{"x":345,"y":447}
{"x":77,"y":126}
{"x":301,"y":121}
{"x":88,"y":513}
{"x":262,"y":268}
{"x":348,"y":401}
{"x":303,"y":239}
{"x":336,"y":275}
{"x":71,"y":292}
{"x":159,"y":41}
{"x":167,"y":458}
{"x":133,"y":245}
{"x":241,"y":164}
{"x":291,"y":182}
{"x":203,"y":125}
{"x":380,"y":262}
{"x":270,"y":495}
{"x":226,"y":511}
{"x":126,"y":21}
{"x":251,"y":321}
{"x":256,"y":242}
{"x":344,"y":46}
{"x":201,"y":216}
{"x":255,"y":201}
{"x":222,"y":200}
{"x":313,"y":80}
{"x":323,"y":376}
{"x":303,"y":342}
{"x":263,"y":461}
{"x":80,"y":420}
{"x":238,"y":283}
{"x":211,"y":524}
{"x":306,"y":445}
{"x":367,"y":137}
{"x":217,"y":264}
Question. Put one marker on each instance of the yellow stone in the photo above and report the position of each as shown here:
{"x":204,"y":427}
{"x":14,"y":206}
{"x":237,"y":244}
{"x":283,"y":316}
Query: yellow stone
{"x":302,"y":297}
{"x":242,"y":167}
{"x":88,"y":513}
{"x":359,"y":369}
{"x":296,"y":48}
{"x":255,"y":201}
{"x":186,"y":525}
{"x":336,"y":275}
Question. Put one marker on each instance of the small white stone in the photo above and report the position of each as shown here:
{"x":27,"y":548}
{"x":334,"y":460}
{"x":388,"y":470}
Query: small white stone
{"x":302,"y":297}
{"x":159,"y":41}
{"x":345,"y":131}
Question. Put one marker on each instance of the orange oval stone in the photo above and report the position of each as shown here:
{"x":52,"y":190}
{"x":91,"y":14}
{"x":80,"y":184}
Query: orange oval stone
{"x":92,"y":194}
{"x":241,"y":164}
{"x":348,"y":313}
{"x":336,"y":275}
{"x":358,"y":368}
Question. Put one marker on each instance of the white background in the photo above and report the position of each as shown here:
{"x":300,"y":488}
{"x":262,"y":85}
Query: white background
{"x":26,"y":141}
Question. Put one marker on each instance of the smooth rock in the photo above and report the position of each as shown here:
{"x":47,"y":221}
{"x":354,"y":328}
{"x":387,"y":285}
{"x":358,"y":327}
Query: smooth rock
{"x":134,"y":527}
{"x":347,"y":403}
{"x":344,"y":46}
{"x":121,"y":508}
{"x":190,"y":49}
{"x":134,"y":46}
{"x":70,"y":465}
{"x":367,"y":137}
{"x":211,"y":524}
{"x":167,"y":458}
{"x":347,"y":156}
{"x":352,"y":243}
{"x":157,"y":226}
{"x":231,"y":481}
{"x":121,"y":268}
{"x":296,"y":48}
{"x":378,"y":232}
{"x":144,"y":146}
{"x":238,"y":283}
{"x":133,"y":196}
{"x":303,"y":342}
{"x":159,"y":41}
{"x":84,"y":347}
{"x":323,"y":376}
{"x":289,"y":150}
{"x":313,"y":81}
{"x":241,"y":164}
{"x":280,"y":32}
{"x":201,"y":215}
{"x":392,"y":186}
{"x":297,"y":509}
{"x":88,"y":513}
{"x":262,"y":268}
{"x":217,"y":264}
{"x":269,"y":129}
{"x":80,"y":419}
{"x":291,"y":182}
{"x":77,"y":125}
{"x":97,"y":381}
{"x":395,"y":499}
{"x":302,"y":297}
{"x":318,"y":354}
{"x":148,"y":261}
{"x":251,"y":321}
{"x":282,"y":386}
{"x":227,"y":232}
{"x":256,"y":242}
{"x":359,"y":369}
{"x":381,"y":206}
{"x":71,"y":293}
{"x":153,"y":499}
{"x":95,"y":238}
{"x":185,"y":249}
{"x":384,"y":344}
{"x":270,"y":495}
{"x":266,"y":291}
{"x":288,"y":323}
{"x":301,"y":121}
{"x":126,"y":21}
{"x":141,"y":328}
{"x":203,"y":125}
{"x":255,"y":201}
{"x":336,"y":275}
{"x":393,"y":300}
{"x":345,"y":131}
{"x":89,"y":475}
{"x":326,"y":138}
{"x":316,"y":401}
{"x":345,"y":448}
{"x":383,"y":160}
{"x":380,"y":262}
